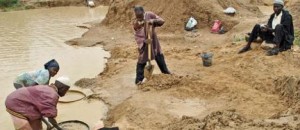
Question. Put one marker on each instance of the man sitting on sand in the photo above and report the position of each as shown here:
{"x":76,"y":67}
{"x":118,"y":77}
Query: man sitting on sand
{"x":279,"y":31}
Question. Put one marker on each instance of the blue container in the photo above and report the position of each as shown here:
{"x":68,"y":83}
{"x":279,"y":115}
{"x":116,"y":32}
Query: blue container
{"x":207,"y":58}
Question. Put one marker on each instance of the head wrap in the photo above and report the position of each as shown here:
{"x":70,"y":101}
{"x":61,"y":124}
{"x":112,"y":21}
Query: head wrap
{"x":64,"y":80}
{"x":51,"y":63}
{"x":279,"y":2}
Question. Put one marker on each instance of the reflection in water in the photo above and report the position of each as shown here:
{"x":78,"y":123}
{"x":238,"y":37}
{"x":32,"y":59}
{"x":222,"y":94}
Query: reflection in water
{"x":31,"y":38}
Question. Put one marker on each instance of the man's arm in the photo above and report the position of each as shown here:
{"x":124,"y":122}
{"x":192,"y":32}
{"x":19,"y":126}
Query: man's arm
{"x":287,"y":21}
{"x":155,"y":19}
{"x":47,"y":107}
{"x":137,"y":25}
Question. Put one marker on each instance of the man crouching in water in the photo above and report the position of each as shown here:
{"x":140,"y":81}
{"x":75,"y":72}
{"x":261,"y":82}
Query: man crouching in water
{"x":29,"y":105}
{"x":139,"y":26}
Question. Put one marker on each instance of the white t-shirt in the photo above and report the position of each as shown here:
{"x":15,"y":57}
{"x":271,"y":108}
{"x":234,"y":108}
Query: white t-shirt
{"x":276,"y":20}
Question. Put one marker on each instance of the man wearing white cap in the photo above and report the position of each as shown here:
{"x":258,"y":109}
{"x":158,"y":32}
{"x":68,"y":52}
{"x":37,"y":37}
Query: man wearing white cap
{"x":29,"y":105}
{"x":279,"y":32}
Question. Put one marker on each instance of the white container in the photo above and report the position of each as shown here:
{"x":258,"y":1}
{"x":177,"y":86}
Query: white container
{"x":91,"y":3}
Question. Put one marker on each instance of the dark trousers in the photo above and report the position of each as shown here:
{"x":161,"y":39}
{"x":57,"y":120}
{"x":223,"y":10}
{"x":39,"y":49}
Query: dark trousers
{"x":257,"y":31}
{"x":277,"y":39}
{"x":280,"y":38}
{"x":160,"y":60}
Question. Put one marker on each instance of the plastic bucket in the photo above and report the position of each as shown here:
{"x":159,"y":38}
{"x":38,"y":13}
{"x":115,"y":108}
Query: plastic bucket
{"x":207,"y":59}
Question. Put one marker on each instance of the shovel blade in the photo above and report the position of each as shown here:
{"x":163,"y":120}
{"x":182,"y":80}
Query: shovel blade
{"x":148,"y":71}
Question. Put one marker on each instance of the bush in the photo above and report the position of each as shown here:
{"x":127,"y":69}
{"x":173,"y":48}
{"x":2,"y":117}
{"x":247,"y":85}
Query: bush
{"x":8,"y":3}
{"x":297,"y":38}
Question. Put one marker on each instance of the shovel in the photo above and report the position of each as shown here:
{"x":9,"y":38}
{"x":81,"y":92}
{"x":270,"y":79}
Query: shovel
{"x":149,"y":67}
{"x":46,"y":122}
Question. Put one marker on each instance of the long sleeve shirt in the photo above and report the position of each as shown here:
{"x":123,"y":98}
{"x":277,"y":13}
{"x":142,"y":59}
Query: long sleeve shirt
{"x":33,"y":102}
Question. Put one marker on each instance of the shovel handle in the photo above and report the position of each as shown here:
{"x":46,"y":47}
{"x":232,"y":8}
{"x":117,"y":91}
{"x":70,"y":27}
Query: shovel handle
{"x":149,"y":31}
{"x":149,"y":52}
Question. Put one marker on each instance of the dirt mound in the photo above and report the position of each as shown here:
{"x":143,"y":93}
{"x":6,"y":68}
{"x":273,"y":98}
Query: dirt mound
{"x":164,"y":81}
{"x":295,"y":9}
{"x":227,"y":120}
{"x":176,"y":12}
{"x":289,"y":88}
{"x":216,"y":120}
{"x":184,"y":86}
{"x":261,"y":2}
{"x":102,"y":2}
{"x":124,"y":52}
{"x":85,"y":82}
{"x":240,"y":5}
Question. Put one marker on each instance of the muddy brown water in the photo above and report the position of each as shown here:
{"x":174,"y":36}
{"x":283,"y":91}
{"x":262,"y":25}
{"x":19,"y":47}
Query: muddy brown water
{"x":31,"y":38}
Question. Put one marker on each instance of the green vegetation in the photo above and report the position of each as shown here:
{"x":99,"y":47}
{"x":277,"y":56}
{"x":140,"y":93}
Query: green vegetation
{"x":297,"y":38}
{"x":8,"y":3}
{"x":238,"y":38}
{"x":11,"y":5}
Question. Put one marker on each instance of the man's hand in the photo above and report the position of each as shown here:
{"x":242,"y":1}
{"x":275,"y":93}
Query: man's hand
{"x":151,"y":21}
{"x":47,"y":123}
{"x":138,"y":24}
{"x":264,"y":28}
{"x":54,"y":123}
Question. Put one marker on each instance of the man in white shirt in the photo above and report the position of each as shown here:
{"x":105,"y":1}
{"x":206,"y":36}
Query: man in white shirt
{"x":279,"y":31}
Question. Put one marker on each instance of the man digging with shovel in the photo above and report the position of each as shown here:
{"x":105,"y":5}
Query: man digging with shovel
{"x":148,"y":44}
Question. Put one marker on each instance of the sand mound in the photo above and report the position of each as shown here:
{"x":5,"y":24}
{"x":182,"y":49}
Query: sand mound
{"x":85,"y":82}
{"x":184,"y":86}
{"x":130,"y":52}
{"x":262,"y":2}
{"x":164,"y":81}
{"x":227,"y":120}
{"x":241,"y":5}
{"x":176,"y":12}
{"x":295,"y":10}
{"x":289,"y":88}
{"x":213,"y":121}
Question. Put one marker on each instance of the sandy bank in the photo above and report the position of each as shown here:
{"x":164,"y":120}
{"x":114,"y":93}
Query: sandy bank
{"x":244,"y":91}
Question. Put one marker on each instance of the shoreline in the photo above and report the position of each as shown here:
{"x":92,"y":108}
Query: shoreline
{"x":34,"y":4}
